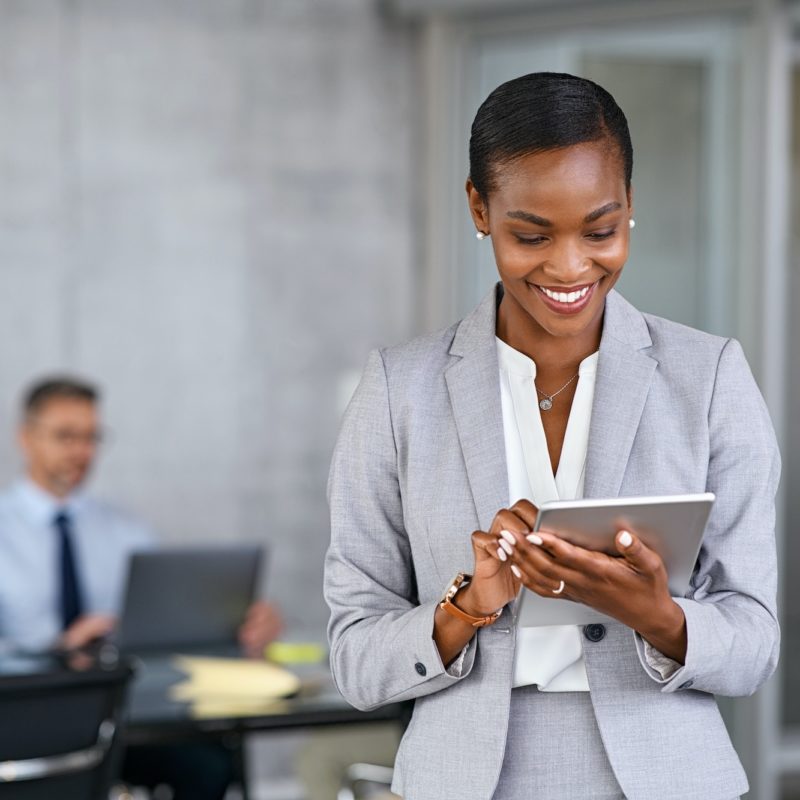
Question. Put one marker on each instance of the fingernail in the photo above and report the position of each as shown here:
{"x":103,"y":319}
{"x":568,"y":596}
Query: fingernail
{"x":534,"y":539}
{"x":515,"y":570}
{"x":506,"y":546}
{"x":625,"y":539}
{"x":501,"y":554}
{"x":509,"y":537}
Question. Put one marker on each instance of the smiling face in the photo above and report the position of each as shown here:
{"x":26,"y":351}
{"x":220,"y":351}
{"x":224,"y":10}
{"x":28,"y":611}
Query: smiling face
{"x":559,"y":225}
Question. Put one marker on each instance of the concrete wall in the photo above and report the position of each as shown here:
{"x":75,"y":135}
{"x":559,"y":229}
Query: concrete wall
{"x":205,"y":207}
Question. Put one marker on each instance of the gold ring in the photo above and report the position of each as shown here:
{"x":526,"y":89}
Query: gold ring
{"x":560,"y":588}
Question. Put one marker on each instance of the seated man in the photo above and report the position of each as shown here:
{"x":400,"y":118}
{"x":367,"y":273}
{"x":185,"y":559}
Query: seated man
{"x":63,"y":563}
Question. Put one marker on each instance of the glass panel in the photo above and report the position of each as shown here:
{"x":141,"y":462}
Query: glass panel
{"x":791,"y":451}
{"x":665,"y":271}
{"x":679,"y":91}
{"x":790,"y":787}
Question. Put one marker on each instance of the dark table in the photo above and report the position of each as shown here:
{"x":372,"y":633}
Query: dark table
{"x":154,"y":718}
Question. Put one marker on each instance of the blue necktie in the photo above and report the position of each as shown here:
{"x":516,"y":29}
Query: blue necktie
{"x":70,"y":590}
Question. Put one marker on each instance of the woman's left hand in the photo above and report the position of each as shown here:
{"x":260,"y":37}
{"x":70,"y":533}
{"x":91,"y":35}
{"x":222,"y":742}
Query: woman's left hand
{"x":632,"y":588}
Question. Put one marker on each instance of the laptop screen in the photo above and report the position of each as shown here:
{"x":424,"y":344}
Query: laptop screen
{"x":187,"y":597}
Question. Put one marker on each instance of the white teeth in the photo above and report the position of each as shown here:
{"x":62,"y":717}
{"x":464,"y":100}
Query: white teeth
{"x":563,"y":297}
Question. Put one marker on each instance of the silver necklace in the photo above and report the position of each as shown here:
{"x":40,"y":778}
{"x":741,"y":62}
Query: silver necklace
{"x":546,"y":403}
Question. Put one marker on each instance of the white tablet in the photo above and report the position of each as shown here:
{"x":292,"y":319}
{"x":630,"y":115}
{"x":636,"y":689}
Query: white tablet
{"x":672,"y":525}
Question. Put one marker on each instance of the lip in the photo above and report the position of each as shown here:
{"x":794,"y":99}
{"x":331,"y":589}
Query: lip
{"x":567,"y":309}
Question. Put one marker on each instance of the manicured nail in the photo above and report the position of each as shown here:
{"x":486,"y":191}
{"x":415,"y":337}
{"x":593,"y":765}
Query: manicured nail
{"x":534,"y":539}
{"x":625,"y":539}
{"x":501,"y":554}
{"x":515,"y":570}
{"x":506,"y":546}
{"x":508,"y":536}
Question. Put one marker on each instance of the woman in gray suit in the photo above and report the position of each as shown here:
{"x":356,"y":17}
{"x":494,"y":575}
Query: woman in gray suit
{"x":554,"y":387}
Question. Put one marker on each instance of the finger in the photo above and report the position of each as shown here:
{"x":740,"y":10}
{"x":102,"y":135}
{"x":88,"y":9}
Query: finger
{"x":86,"y":629}
{"x":543,"y":572}
{"x":559,"y":585}
{"x":565,"y":555}
{"x":509,"y":540}
{"x":527,"y":512}
{"x":543,"y":549}
{"x":252,"y":646}
{"x":637,"y":553}
{"x":563,"y":551}
{"x":535,"y":563}
{"x":485,"y":545}
{"x":249,"y":636}
{"x":272,"y":613}
{"x":259,"y":616}
{"x":506,"y":519}
{"x":554,"y":590}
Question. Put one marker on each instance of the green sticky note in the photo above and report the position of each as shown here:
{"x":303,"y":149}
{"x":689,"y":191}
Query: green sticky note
{"x":295,"y":652}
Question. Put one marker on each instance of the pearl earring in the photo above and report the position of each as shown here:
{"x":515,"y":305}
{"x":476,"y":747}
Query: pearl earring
{"x":480,"y":236}
{"x":632,"y":223}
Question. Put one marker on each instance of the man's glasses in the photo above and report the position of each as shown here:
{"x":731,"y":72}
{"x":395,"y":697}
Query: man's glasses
{"x":67,"y":437}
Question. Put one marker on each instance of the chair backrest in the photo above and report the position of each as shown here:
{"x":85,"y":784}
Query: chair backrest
{"x":360,"y":777}
{"x":57,"y":731}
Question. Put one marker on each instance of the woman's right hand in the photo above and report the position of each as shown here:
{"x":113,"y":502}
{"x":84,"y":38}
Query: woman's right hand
{"x":493,"y":583}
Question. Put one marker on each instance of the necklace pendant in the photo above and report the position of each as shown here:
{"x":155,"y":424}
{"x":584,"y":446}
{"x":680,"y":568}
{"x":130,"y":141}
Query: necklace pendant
{"x":545,"y":403}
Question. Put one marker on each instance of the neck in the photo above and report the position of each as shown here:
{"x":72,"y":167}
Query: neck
{"x":552,"y":354}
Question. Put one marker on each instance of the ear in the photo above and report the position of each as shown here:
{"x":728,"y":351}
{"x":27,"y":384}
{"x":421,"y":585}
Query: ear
{"x":477,"y":207}
{"x":630,"y":199}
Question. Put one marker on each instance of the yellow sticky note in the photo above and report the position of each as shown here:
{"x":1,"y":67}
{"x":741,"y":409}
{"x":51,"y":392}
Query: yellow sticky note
{"x":296,"y":652}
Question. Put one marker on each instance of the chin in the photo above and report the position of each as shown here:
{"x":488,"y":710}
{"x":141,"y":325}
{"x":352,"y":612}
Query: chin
{"x":73,"y":481}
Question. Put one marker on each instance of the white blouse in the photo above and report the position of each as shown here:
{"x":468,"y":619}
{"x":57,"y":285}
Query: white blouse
{"x":550,"y":657}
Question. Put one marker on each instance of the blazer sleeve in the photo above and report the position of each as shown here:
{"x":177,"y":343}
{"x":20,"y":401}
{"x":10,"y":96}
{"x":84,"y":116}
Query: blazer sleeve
{"x":731,"y":616}
{"x":381,"y":637}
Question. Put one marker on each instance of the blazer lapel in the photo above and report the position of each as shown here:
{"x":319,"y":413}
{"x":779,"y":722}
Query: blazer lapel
{"x":474,"y":386}
{"x":624,"y":374}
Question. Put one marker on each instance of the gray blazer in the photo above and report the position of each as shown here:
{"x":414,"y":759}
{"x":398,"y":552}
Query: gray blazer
{"x":420,"y":464}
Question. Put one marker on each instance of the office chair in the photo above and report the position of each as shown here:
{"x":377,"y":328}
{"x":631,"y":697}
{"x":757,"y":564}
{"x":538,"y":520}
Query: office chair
{"x":367,"y":778}
{"x":58,"y":732}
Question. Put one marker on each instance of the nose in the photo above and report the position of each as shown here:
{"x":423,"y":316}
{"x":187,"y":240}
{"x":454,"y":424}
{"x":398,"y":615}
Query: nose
{"x":568,"y":263}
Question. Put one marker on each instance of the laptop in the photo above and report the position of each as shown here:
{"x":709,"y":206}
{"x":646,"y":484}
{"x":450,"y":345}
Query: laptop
{"x":187,"y":598}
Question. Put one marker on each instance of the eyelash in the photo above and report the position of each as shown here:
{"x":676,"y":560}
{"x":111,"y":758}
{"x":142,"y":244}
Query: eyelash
{"x":595,"y":237}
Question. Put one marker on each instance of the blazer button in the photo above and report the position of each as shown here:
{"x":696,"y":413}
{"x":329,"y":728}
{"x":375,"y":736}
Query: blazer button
{"x":594,"y":633}
{"x":420,"y":668}
{"x":687,"y":684}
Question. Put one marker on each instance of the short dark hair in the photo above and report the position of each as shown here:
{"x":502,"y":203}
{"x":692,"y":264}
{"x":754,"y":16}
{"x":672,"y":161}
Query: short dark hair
{"x":539,"y":112}
{"x":57,"y":387}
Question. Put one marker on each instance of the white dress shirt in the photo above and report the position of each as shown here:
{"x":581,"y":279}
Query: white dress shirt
{"x":550,"y":657}
{"x":103,"y":538}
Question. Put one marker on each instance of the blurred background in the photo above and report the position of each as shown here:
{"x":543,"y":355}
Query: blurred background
{"x":215,"y":208}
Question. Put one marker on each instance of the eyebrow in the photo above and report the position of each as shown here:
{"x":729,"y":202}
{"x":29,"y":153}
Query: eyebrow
{"x":592,"y":216}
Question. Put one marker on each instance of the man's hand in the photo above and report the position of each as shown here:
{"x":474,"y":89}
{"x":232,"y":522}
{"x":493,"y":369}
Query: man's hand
{"x":262,"y":624}
{"x":85,"y":630}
